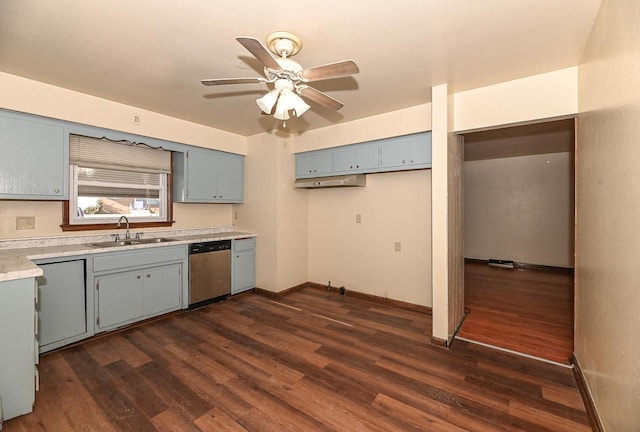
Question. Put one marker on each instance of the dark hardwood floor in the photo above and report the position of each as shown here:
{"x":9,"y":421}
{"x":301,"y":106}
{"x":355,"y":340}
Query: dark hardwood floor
{"x":524,"y":310}
{"x":312,"y":361}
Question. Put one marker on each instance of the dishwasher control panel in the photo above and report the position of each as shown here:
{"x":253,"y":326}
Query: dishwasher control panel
{"x":212,"y":246}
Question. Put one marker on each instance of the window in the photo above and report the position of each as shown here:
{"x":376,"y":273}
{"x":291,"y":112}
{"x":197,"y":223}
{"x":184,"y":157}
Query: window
{"x":112,"y":179}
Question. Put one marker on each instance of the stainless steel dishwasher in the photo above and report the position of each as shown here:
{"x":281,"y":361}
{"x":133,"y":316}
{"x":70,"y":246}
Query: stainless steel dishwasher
{"x":209,"y":272}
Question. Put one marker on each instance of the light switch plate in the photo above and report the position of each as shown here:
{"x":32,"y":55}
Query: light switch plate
{"x":398,"y":246}
{"x":358,"y":218}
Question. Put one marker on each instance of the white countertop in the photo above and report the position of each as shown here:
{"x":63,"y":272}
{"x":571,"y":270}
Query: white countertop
{"x":16,"y":258}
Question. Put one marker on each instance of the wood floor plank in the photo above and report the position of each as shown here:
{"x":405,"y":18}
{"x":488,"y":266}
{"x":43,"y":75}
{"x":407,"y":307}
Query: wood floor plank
{"x":524,"y":310}
{"x":217,"y":420}
{"x":416,"y":418}
{"x":254,"y":364}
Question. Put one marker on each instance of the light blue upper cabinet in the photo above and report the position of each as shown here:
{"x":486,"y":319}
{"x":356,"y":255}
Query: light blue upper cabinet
{"x":35,"y":158}
{"x":230,"y":170}
{"x":356,"y":158}
{"x":407,"y":152}
{"x":208,"y":176}
{"x":314,"y":164}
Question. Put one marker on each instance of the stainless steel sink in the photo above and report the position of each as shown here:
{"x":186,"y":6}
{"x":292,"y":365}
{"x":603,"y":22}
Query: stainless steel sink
{"x":154,"y":240}
{"x":131,"y":242}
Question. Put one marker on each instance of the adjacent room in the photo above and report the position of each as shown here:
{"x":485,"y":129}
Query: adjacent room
{"x":519,"y":235}
{"x":332,"y":216}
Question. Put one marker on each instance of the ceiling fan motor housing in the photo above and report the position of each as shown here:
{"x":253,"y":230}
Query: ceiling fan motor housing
{"x":284,"y":44}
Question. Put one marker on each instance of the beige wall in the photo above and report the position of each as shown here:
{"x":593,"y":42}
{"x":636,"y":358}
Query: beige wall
{"x":607,"y":320}
{"x":48,"y":216}
{"x":395,"y":207}
{"x":549,"y":95}
{"x":258,"y":213}
{"x":275,"y":211}
{"x":520,"y":208}
{"x":395,"y":123}
{"x":21,"y":94}
{"x":25,"y":95}
{"x":446,"y":230}
{"x":292,"y":220}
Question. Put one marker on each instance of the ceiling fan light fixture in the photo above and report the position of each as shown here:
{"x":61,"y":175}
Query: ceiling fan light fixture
{"x":267,"y":101}
{"x":300,"y":106}
{"x":282,"y":109}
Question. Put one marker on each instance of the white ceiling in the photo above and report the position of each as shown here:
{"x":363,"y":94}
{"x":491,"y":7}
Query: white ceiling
{"x":152,"y":54}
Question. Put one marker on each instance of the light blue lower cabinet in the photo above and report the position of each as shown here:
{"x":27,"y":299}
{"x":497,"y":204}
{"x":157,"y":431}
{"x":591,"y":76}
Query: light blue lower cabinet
{"x":134,"y":285}
{"x":124,"y":298}
{"x":62,"y":306}
{"x":18,"y":354}
{"x":244,"y":265}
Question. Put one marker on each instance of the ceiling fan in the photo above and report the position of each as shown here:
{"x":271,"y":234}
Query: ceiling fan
{"x":288,"y":77}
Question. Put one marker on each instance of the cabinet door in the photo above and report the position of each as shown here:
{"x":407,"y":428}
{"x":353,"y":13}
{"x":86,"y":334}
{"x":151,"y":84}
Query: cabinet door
{"x":244,"y":265}
{"x":394,"y":152}
{"x":17,"y":298}
{"x":119,"y":298}
{"x":62,"y":303}
{"x":230,"y":170}
{"x":312,"y":164}
{"x":355,"y":159}
{"x":406,"y":152}
{"x":35,"y":161}
{"x":162,"y":289}
{"x":419,"y":148}
{"x":202,"y":176}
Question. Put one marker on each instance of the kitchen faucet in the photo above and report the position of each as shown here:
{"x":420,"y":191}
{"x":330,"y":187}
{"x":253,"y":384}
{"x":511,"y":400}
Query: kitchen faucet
{"x":126,"y":233}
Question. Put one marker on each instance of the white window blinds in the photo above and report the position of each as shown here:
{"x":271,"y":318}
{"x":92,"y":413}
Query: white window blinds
{"x":118,"y":155}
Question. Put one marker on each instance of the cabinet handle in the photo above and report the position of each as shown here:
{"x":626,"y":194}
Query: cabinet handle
{"x":357,"y":166}
{"x":404,"y":161}
{"x":411,"y":160}
{"x":57,"y":191}
{"x":138,"y":277}
{"x":148,"y":275}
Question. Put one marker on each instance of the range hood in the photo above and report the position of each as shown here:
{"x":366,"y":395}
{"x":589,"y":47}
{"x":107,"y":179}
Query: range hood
{"x":335,"y":181}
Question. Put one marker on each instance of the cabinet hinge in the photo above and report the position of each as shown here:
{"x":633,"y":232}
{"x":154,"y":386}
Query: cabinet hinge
{"x":98,"y":321}
{"x":98,"y":285}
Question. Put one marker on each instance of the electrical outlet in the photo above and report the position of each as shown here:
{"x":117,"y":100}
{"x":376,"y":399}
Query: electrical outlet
{"x":358,"y":218}
{"x":25,"y":223}
{"x":137,"y":120}
{"x":398,"y":246}
{"x":235,"y":215}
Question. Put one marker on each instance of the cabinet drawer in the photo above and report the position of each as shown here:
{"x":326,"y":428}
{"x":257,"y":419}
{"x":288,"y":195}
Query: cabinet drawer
{"x":244,"y":244}
{"x":126,"y":259}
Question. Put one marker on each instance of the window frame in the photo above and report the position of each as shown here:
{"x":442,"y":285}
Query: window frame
{"x":67,"y":215}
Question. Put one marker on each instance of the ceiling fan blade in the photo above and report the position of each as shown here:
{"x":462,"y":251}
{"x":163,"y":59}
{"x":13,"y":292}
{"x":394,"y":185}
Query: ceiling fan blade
{"x":259,"y":51}
{"x":320,"y":98}
{"x":331,"y":70}
{"x":223,"y":81}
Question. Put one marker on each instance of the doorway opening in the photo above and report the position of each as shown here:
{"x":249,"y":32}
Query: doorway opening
{"x":519,"y":238}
